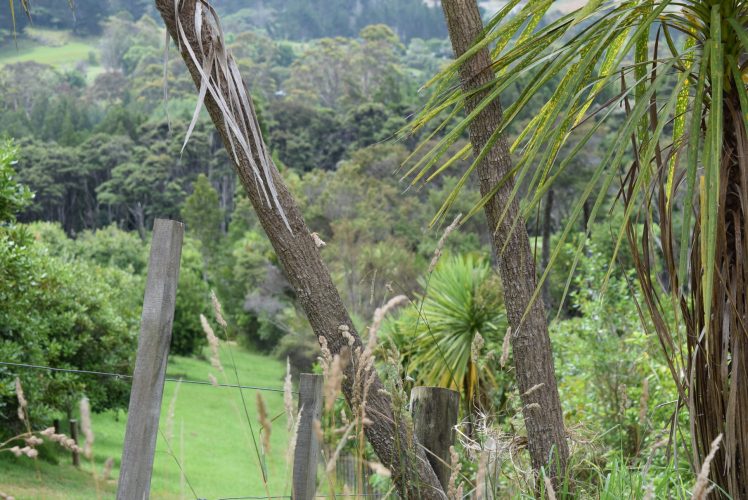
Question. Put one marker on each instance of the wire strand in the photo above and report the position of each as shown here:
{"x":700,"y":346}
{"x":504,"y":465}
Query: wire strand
{"x":123,"y":376}
{"x":183,"y":381}
{"x":288,"y":496}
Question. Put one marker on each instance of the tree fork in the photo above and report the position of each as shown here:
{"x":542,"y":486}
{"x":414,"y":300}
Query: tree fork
{"x":388,"y":434}
{"x":531,"y":345}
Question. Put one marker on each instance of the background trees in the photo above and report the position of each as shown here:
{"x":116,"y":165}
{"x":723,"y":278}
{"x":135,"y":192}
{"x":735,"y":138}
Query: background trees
{"x":288,"y":19}
{"x":60,"y":313}
{"x":93,"y":134}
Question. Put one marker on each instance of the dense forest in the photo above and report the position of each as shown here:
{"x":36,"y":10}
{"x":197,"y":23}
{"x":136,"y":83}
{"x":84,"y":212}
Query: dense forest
{"x":281,"y":19}
{"x":379,"y":158}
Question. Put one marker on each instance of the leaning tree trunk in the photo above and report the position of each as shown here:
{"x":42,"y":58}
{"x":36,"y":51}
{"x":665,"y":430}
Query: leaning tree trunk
{"x":388,"y":433}
{"x":531,"y":345}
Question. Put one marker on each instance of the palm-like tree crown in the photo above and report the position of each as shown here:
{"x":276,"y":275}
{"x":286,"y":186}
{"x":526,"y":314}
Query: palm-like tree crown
{"x":443,"y":337}
{"x":670,"y":78}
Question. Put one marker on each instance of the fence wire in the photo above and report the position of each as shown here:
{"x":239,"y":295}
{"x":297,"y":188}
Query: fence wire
{"x":124,"y":376}
{"x":289,"y":496}
{"x":182,"y":381}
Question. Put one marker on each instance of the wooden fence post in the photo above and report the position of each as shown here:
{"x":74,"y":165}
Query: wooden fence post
{"x":74,"y":436}
{"x":434,"y":412}
{"x":306,"y":454}
{"x":150,"y":364}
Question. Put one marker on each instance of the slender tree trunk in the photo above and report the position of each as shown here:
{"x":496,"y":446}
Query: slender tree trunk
{"x":545,"y":257}
{"x":138,"y":214}
{"x":586,"y":209}
{"x":531,"y":344}
{"x":227,"y":199}
{"x":388,"y":433}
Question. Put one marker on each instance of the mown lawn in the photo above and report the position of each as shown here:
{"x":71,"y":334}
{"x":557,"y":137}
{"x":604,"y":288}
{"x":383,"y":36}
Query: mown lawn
{"x":209,"y":437}
{"x":62,"y":52}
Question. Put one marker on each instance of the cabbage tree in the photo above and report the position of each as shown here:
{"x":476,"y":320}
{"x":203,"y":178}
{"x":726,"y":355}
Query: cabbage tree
{"x":445,"y":336}
{"x":671,"y":76}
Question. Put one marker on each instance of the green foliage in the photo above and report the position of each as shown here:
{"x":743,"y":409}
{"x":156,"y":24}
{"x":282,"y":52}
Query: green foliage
{"x":369,"y":124}
{"x":128,"y":45}
{"x":61,"y":313}
{"x":13,"y":196}
{"x":258,"y":293}
{"x":306,"y":138}
{"x":67,"y":315}
{"x":203,"y":216}
{"x":605,"y":355}
{"x":113,"y":247}
{"x":336,"y":72}
{"x":193,"y":299}
{"x":103,"y":161}
{"x":305,"y":19}
{"x":445,"y":334}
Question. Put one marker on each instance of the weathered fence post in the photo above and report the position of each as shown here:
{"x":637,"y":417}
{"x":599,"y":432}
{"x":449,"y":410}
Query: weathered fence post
{"x":74,"y":436}
{"x":434,"y":412}
{"x":306,"y":454}
{"x":150,"y":364}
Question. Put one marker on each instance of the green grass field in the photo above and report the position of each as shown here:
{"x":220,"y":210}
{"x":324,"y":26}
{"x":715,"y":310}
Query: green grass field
{"x":210,"y":438}
{"x":56,"y":48}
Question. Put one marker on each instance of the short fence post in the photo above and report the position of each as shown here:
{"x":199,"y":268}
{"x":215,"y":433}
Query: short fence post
{"x":306,"y":454}
{"x":150,"y":364}
{"x":56,"y":425}
{"x":74,"y":437}
{"x":434,"y":412}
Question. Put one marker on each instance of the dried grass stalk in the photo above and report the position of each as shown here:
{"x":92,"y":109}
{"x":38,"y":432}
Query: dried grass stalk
{"x":549,"y":488}
{"x":217,"y":310}
{"x":265,"y":422}
{"x":213,"y":343}
{"x":333,"y":378}
{"x":505,"y":347}
{"x":644,"y":403}
{"x":292,"y":439}
{"x":453,"y":492}
{"x":169,"y":432}
{"x":288,"y":397}
{"x":702,"y":489}
{"x":341,"y":444}
{"x":442,"y":241}
{"x":22,"y":403}
{"x":107,"y":471}
{"x":380,"y":313}
{"x":86,"y":427}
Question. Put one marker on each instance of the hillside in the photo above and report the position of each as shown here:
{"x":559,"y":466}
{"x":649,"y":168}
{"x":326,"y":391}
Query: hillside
{"x":57,"y":48}
{"x":540,"y":214}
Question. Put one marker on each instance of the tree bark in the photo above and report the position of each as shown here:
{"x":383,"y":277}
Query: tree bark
{"x":545,"y":256}
{"x":531,"y":344}
{"x":388,"y":433}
